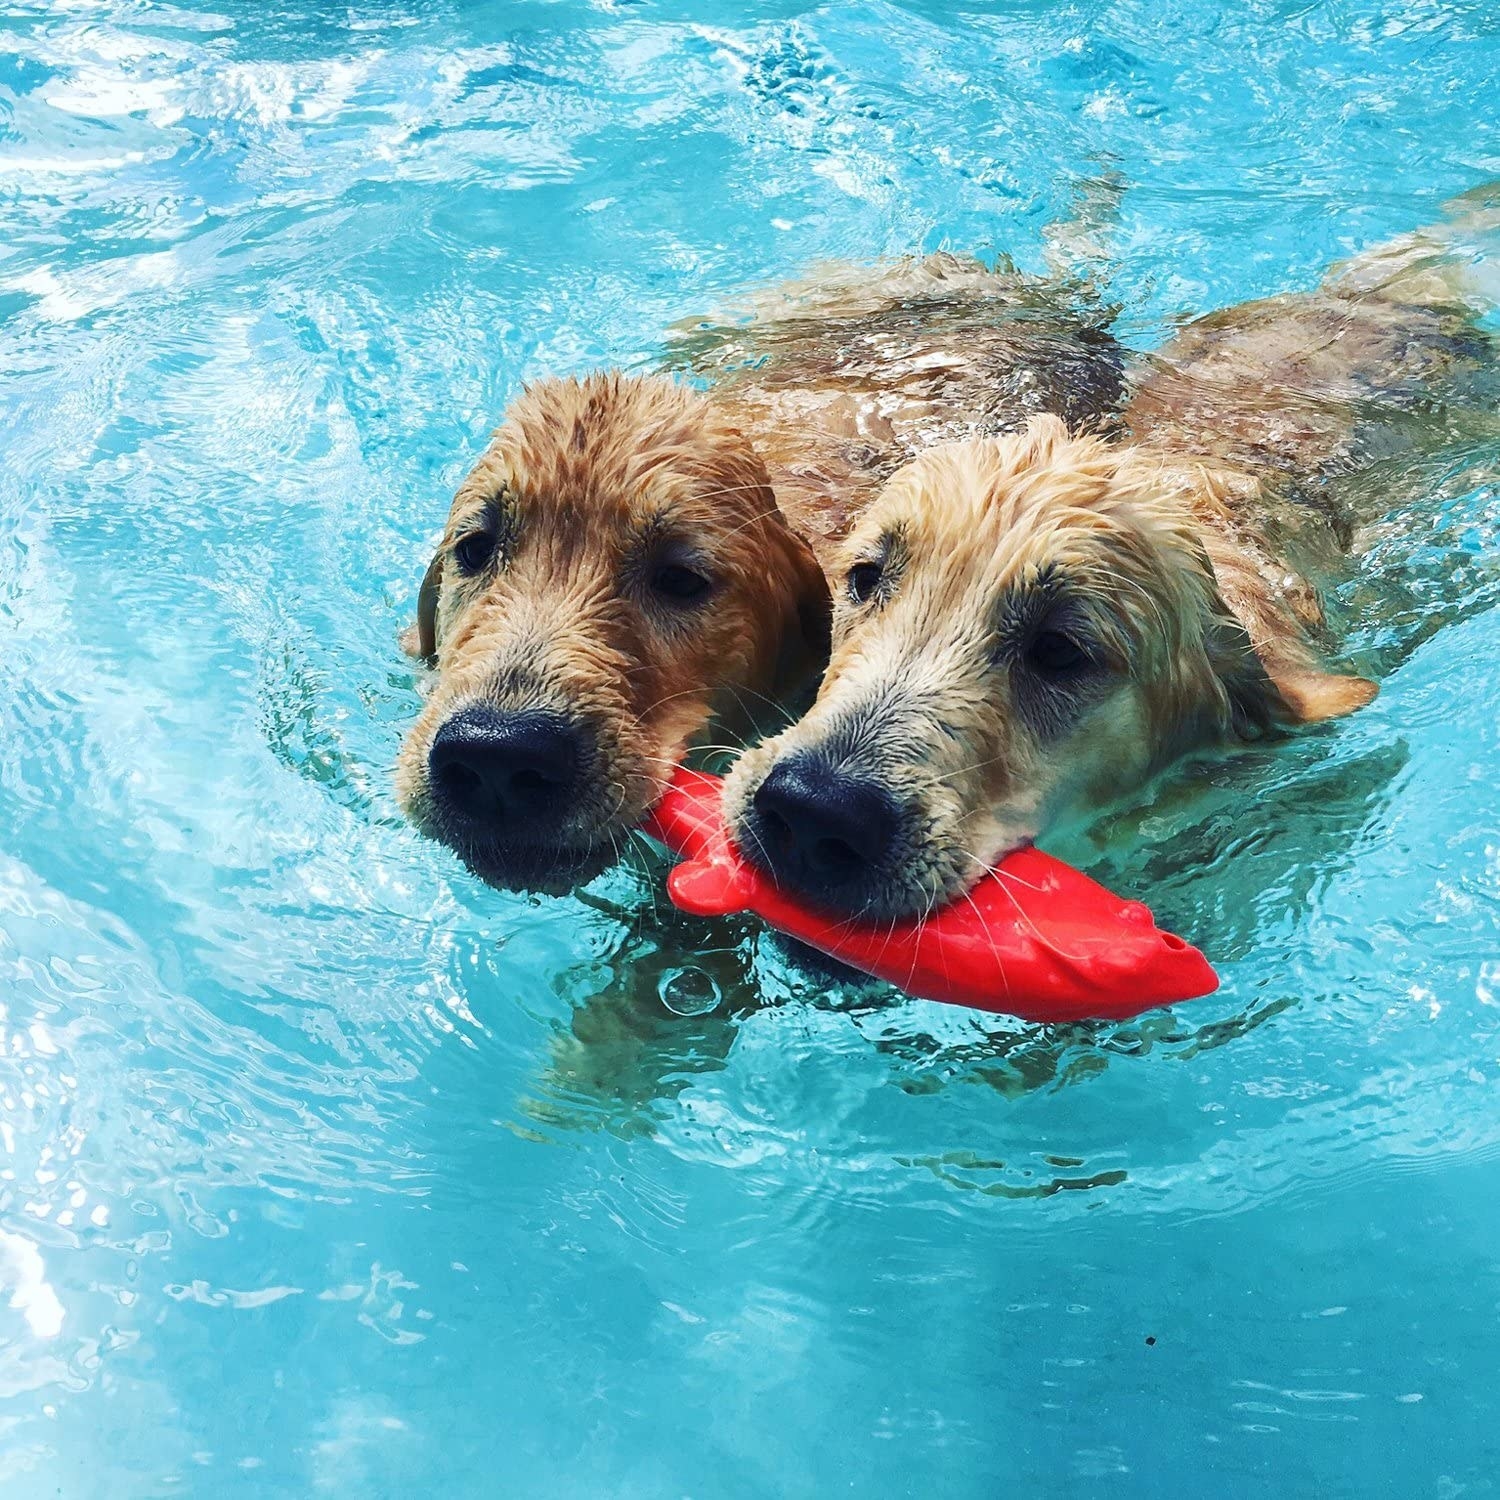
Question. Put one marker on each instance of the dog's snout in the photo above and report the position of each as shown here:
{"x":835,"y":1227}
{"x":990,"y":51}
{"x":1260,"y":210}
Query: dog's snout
{"x":509,"y":770}
{"x":821,"y":829}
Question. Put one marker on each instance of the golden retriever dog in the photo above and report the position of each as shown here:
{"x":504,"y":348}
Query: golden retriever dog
{"x":1028,"y":626}
{"x":617,"y":581}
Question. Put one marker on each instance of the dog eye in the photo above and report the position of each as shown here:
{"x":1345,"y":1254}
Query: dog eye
{"x":473,"y":552}
{"x":864,"y":579}
{"x":1054,"y":654}
{"x":680,"y":585}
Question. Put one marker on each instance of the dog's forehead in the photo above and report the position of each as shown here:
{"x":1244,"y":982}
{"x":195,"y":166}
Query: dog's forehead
{"x":939,"y":548}
{"x":604,"y":493}
{"x":960,"y":525}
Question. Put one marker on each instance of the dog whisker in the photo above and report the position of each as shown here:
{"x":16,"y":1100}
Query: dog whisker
{"x":999,"y":964}
{"x":1004,"y":880}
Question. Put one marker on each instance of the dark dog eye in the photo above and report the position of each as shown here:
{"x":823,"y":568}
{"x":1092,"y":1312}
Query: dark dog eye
{"x":473,"y":552}
{"x":1054,"y":654}
{"x":864,"y":579}
{"x":680,"y":585}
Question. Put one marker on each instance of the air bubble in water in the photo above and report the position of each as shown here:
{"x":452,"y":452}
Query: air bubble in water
{"x":689,"y":992}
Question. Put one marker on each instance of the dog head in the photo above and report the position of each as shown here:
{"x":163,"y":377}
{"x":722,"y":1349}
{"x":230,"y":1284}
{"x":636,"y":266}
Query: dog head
{"x":1024,"y":625}
{"x":614,"y":575}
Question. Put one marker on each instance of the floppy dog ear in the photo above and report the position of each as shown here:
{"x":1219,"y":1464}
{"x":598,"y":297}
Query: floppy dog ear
{"x":1270,"y":675}
{"x":1280,"y":684}
{"x":1314,"y":695}
{"x":420,"y":640}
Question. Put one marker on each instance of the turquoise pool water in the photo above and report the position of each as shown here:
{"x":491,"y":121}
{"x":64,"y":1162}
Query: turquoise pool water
{"x":325,"y":1170}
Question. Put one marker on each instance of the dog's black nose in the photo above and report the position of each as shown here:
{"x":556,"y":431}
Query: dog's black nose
{"x":514,"y":771}
{"x":822,"y":830}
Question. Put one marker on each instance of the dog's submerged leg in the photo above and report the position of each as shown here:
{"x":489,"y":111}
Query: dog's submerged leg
{"x":1454,"y":261}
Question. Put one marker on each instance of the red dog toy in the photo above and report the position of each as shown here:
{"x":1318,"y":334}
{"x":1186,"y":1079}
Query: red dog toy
{"x":1037,"y":939}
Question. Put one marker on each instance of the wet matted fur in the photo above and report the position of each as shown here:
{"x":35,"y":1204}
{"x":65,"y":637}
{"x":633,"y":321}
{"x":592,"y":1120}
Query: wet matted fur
{"x":1025,"y":623}
{"x":545,"y":601}
{"x":849,"y":373}
{"x":1030,"y":625}
{"x":616,"y":562}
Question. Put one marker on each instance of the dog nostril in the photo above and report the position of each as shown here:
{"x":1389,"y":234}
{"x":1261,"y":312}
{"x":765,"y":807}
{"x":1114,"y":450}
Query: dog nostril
{"x":458,"y":780}
{"x":773,"y":826}
{"x":528,"y":782}
{"x":834,"y":858}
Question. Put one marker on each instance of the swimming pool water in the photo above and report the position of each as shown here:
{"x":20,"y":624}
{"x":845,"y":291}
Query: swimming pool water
{"x":326,"y":1170}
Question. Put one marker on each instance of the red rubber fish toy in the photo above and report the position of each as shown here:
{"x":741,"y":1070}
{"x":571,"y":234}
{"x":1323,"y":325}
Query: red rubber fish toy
{"x":1037,"y":938}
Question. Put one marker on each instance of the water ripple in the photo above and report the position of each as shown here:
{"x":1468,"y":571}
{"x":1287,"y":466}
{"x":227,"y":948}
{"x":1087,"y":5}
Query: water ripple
{"x":326,"y":1171}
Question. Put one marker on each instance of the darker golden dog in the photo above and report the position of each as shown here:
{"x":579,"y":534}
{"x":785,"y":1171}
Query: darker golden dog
{"x":613,"y":569}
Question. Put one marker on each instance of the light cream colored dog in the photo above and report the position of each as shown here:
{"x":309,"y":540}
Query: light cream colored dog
{"x":1030,"y":625}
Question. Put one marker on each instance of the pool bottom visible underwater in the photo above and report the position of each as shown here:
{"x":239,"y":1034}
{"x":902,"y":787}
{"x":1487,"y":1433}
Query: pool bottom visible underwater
{"x":326,"y":1170}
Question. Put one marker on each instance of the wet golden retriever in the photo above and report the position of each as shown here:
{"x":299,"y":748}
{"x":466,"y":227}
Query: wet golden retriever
{"x":1030,"y":625}
{"x":617,"y":581}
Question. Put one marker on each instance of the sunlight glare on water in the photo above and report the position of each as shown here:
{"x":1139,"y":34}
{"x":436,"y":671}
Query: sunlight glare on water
{"x":327,"y":1170}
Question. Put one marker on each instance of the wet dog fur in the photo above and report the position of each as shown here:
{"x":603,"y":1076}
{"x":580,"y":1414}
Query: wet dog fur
{"x":1024,"y":623}
{"x":1031,"y":625}
{"x":618,"y":582}
{"x":613,"y":572}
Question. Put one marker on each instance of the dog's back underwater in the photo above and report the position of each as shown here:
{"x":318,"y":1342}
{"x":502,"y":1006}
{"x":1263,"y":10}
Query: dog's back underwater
{"x":845,"y":375}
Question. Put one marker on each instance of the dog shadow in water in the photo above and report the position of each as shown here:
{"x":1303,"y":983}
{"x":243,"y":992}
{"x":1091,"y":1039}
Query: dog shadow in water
{"x":677,"y":991}
{"x":667,"y":1013}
